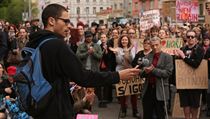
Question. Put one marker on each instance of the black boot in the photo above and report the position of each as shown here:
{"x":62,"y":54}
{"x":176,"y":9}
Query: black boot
{"x":123,"y":113}
{"x":136,"y":114}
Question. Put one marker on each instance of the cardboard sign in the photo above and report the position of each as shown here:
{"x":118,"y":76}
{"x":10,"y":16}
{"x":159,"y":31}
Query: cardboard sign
{"x":87,"y":116}
{"x":129,"y":87}
{"x":168,"y":44}
{"x":191,"y":78}
{"x":187,"y":10}
{"x":149,"y":19}
{"x":171,"y":44}
{"x":177,"y":111}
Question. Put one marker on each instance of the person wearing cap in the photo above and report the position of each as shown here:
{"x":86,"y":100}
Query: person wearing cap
{"x":5,"y":90}
{"x":89,"y":53}
{"x":34,"y":26}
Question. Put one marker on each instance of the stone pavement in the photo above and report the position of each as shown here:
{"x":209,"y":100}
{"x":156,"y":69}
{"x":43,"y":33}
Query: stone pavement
{"x":113,"y":109}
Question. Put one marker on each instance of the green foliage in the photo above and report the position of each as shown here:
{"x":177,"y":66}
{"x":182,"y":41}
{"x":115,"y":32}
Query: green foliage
{"x":11,"y":10}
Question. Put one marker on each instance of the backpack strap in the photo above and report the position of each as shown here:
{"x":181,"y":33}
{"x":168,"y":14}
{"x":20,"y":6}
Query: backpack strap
{"x":44,"y":41}
{"x":31,"y":50}
{"x":28,"y":49}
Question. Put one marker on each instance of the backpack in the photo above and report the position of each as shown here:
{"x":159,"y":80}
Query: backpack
{"x":29,"y":82}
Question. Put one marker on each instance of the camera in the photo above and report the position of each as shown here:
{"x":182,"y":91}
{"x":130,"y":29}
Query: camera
{"x":143,"y":62}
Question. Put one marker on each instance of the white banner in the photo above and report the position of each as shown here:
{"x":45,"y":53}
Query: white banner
{"x":149,"y":19}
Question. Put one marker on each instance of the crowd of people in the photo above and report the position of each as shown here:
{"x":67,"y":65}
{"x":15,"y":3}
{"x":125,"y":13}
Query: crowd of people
{"x":115,"y":48}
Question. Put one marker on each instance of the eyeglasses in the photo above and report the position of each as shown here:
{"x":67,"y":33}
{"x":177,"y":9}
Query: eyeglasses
{"x":66,"y":21}
{"x":146,"y":43}
{"x":131,"y":33}
{"x":191,"y":37}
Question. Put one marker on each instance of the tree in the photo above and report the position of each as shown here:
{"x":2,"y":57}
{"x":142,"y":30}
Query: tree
{"x":11,"y":10}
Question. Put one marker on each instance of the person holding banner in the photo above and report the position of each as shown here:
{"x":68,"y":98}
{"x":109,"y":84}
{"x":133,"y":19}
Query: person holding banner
{"x":156,"y":87}
{"x":192,"y":54}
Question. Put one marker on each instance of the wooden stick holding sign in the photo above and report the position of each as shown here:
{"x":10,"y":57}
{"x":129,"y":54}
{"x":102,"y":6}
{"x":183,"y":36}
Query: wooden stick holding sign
{"x":129,"y":87}
{"x":190,"y":78}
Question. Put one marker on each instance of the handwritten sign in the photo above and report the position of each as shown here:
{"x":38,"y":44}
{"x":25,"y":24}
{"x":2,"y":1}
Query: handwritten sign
{"x":171,"y":44}
{"x":187,"y":10}
{"x":149,"y":19}
{"x":191,"y":78}
{"x":168,"y":45}
{"x":129,"y":87}
{"x":87,"y":116}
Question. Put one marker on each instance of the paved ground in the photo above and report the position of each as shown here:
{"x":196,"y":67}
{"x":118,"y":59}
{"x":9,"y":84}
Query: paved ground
{"x":112,"y":112}
{"x":113,"y":109}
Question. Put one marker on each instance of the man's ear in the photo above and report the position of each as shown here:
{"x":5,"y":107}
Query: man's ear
{"x":51,"y":21}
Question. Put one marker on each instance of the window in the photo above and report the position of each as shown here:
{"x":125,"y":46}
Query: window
{"x":200,"y":9}
{"x":101,"y":8}
{"x":94,"y":10}
{"x":121,"y":6}
{"x":78,"y":1}
{"x":87,"y":10}
{"x":115,"y":6}
{"x":152,"y":4}
{"x":87,"y":1}
{"x":136,"y":5}
{"x":78,"y":10}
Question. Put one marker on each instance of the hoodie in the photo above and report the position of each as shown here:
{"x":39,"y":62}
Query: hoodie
{"x":59,"y":67}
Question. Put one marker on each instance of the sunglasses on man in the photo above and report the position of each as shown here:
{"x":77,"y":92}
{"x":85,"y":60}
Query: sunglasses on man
{"x":66,"y":21}
{"x":192,"y":37}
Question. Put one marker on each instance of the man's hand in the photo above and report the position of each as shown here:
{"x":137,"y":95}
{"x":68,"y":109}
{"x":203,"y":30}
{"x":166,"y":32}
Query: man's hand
{"x":90,"y":50}
{"x":129,"y":73}
{"x":180,"y":53}
{"x":149,"y":69}
{"x":8,"y":90}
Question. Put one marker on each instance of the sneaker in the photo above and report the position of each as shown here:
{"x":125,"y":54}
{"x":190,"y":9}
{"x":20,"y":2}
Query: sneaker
{"x":137,"y":115}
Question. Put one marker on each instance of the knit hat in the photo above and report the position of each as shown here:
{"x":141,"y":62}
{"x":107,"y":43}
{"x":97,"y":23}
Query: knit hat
{"x":11,"y":70}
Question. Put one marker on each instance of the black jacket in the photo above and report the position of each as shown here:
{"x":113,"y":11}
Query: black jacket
{"x":195,"y":57}
{"x":60,"y":66}
{"x":3,"y":44}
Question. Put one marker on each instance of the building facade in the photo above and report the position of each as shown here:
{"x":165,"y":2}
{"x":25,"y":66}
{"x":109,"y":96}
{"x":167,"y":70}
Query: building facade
{"x":102,"y":11}
{"x":85,"y":10}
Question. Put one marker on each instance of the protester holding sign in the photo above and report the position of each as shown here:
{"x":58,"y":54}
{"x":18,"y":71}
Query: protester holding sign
{"x":192,"y":54}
